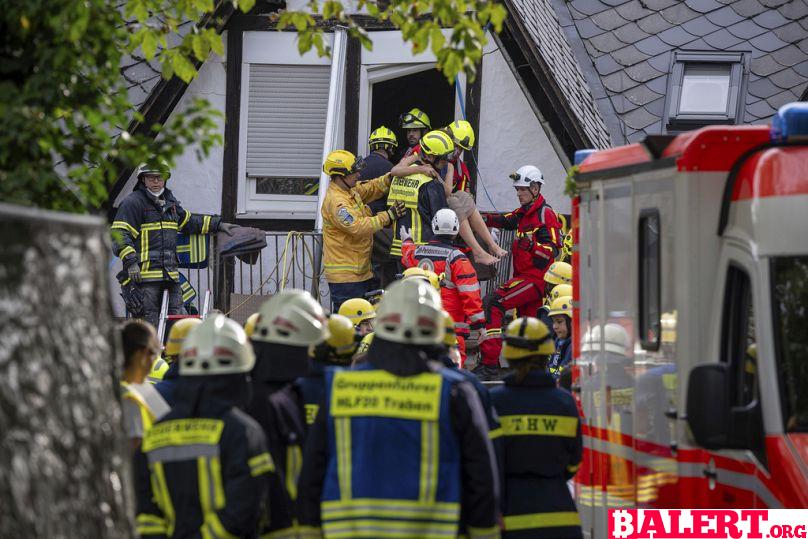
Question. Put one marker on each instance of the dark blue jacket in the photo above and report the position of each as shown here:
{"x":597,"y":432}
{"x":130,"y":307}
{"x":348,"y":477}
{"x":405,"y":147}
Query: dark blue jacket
{"x":542,"y":449}
{"x":167,"y":387}
{"x":561,"y":357}
{"x":375,"y":166}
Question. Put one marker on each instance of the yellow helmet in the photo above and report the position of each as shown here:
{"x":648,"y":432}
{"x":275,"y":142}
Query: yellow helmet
{"x":342,"y":340}
{"x":562,"y":305}
{"x":462,"y":133}
{"x":415,"y":119}
{"x":560,"y":290}
{"x":178,"y":332}
{"x":437,"y":144}
{"x":357,"y":310}
{"x":421,"y":273}
{"x":559,"y":273}
{"x":342,"y":163}
{"x":450,"y":339}
{"x":382,"y":136}
{"x":526,"y":337}
{"x":364,"y":344}
{"x":249,"y":325}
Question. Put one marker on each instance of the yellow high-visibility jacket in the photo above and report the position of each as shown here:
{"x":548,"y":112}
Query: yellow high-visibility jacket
{"x":348,"y":227}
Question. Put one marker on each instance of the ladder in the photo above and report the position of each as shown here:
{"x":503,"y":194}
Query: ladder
{"x":165,"y":318}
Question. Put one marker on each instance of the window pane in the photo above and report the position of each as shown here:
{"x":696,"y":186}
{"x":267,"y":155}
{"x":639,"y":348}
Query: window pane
{"x":287,"y":186}
{"x":649,"y":273}
{"x":705,"y":89}
{"x":790,"y":305}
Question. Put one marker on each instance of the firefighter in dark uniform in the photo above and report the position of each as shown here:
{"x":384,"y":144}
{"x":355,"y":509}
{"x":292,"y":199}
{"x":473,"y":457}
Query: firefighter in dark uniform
{"x":146,"y":227}
{"x":541,"y":430}
{"x":288,"y":324}
{"x":401,"y":442}
{"x":204,"y":469}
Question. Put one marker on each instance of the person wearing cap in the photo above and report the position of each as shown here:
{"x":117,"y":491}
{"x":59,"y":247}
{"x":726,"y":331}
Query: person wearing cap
{"x":537,"y":418}
{"x":361,"y":314}
{"x":536,"y":244}
{"x":145,"y":232}
{"x":204,"y":469}
{"x":415,"y":124}
{"x":561,"y":315}
{"x":400,"y":446}
{"x":288,"y":325}
{"x":348,"y":225}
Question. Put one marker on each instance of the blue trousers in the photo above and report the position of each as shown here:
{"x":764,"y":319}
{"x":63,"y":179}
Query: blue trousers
{"x":342,"y":292}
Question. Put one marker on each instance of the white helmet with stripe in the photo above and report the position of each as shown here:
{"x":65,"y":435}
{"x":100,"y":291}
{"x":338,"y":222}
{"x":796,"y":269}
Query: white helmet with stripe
{"x":615,"y":339}
{"x":410,"y":313}
{"x":445,"y":223}
{"x":291,"y":317}
{"x":216,"y":346}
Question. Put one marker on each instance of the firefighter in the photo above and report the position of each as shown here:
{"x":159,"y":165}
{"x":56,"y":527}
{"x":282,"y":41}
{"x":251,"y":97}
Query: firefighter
{"x":537,"y":242}
{"x":289,"y":323}
{"x":146,"y":227}
{"x":382,"y":143}
{"x":142,"y":405}
{"x":361,"y":313}
{"x":559,"y":290}
{"x":559,"y":273}
{"x":204,"y":469}
{"x":460,"y":290}
{"x":415,"y":124}
{"x":561,"y":315}
{"x":348,"y":225}
{"x":537,"y":419}
{"x":422,"y":195}
{"x":401,"y":443}
{"x":167,"y":382}
{"x":416,"y":272}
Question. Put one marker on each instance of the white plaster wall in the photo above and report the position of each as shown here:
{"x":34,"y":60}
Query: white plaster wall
{"x":511,"y":136}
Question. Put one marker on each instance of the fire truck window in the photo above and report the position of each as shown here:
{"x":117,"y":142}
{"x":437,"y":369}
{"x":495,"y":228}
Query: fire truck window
{"x":738,"y":343}
{"x":649,"y":280}
{"x":790,"y":319}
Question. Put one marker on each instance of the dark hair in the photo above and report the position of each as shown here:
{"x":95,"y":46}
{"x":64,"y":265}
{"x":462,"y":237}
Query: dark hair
{"x":137,"y":335}
{"x":568,"y":322}
{"x":523,"y":367}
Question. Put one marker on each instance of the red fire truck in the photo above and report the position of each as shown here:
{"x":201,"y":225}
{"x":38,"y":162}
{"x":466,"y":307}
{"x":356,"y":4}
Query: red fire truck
{"x":691,"y":320}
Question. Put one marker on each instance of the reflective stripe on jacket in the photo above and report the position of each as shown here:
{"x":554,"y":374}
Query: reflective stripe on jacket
{"x":146,"y":233}
{"x":348,"y":227}
{"x":422,"y":196}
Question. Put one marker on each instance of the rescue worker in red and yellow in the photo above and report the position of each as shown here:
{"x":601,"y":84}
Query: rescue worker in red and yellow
{"x":460,"y":289}
{"x":415,"y":124}
{"x":166,"y":370}
{"x":348,"y":225}
{"x":537,"y":418}
{"x":361,"y":313}
{"x":204,"y":469}
{"x":421,"y":193}
{"x":289,"y":324}
{"x":146,"y":226}
{"x":401,"y":443}
{"x":142,"y":405}
{"x":536,"y":244}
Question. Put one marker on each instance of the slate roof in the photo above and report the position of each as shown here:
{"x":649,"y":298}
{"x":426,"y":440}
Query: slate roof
{"x":543,"y":25}
{"x":625,"y":50}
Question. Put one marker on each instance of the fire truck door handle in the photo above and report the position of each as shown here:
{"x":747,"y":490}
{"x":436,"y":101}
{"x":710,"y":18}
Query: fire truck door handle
{"x":710,"y":473}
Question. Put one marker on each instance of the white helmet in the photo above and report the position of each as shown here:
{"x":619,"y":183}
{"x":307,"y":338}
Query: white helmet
{"x":615,"y":339}
{"x":527,"y":175}
{"x":291,"y":317}
{"x":410,"y":313}
{"x":445,"y":223}
{"x":216,"y":346}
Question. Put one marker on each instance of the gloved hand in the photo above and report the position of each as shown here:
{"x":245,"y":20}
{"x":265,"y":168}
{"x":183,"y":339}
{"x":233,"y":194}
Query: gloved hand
{"x":227,"y":228}
{"x":404,"y":233}
{"x":134,"y":273}
{"x":396,"y":210}
{"x":525,"y":243}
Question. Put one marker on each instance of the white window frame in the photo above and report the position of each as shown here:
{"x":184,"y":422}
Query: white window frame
{"x":277,"y":48}
{"x":389,"y":59}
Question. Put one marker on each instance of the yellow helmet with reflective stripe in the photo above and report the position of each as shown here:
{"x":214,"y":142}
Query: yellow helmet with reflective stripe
{"x":415,"y":119}
{"x":562,"y":305}
{"x":382,"y":136}
{"x":357,"y":310}
{"x":342,"y":163}
{"x":560,"y":290}
{"x":177,"y":335}
{"x":249,"y":325}
{"x":526,"y":337}
{"x":437,"y":144}
{"x":462,"y":133}
{"x":450,"y":339}
{"x":559,"y":273}
{"x":421,"y":273}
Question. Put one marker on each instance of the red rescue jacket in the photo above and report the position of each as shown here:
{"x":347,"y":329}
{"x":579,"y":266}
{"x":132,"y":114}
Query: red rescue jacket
{"x":460,"y":289}
{"x":538,"y":238}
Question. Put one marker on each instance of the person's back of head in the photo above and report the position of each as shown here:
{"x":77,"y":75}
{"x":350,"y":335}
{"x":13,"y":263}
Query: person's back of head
{"x":528,"y":345}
